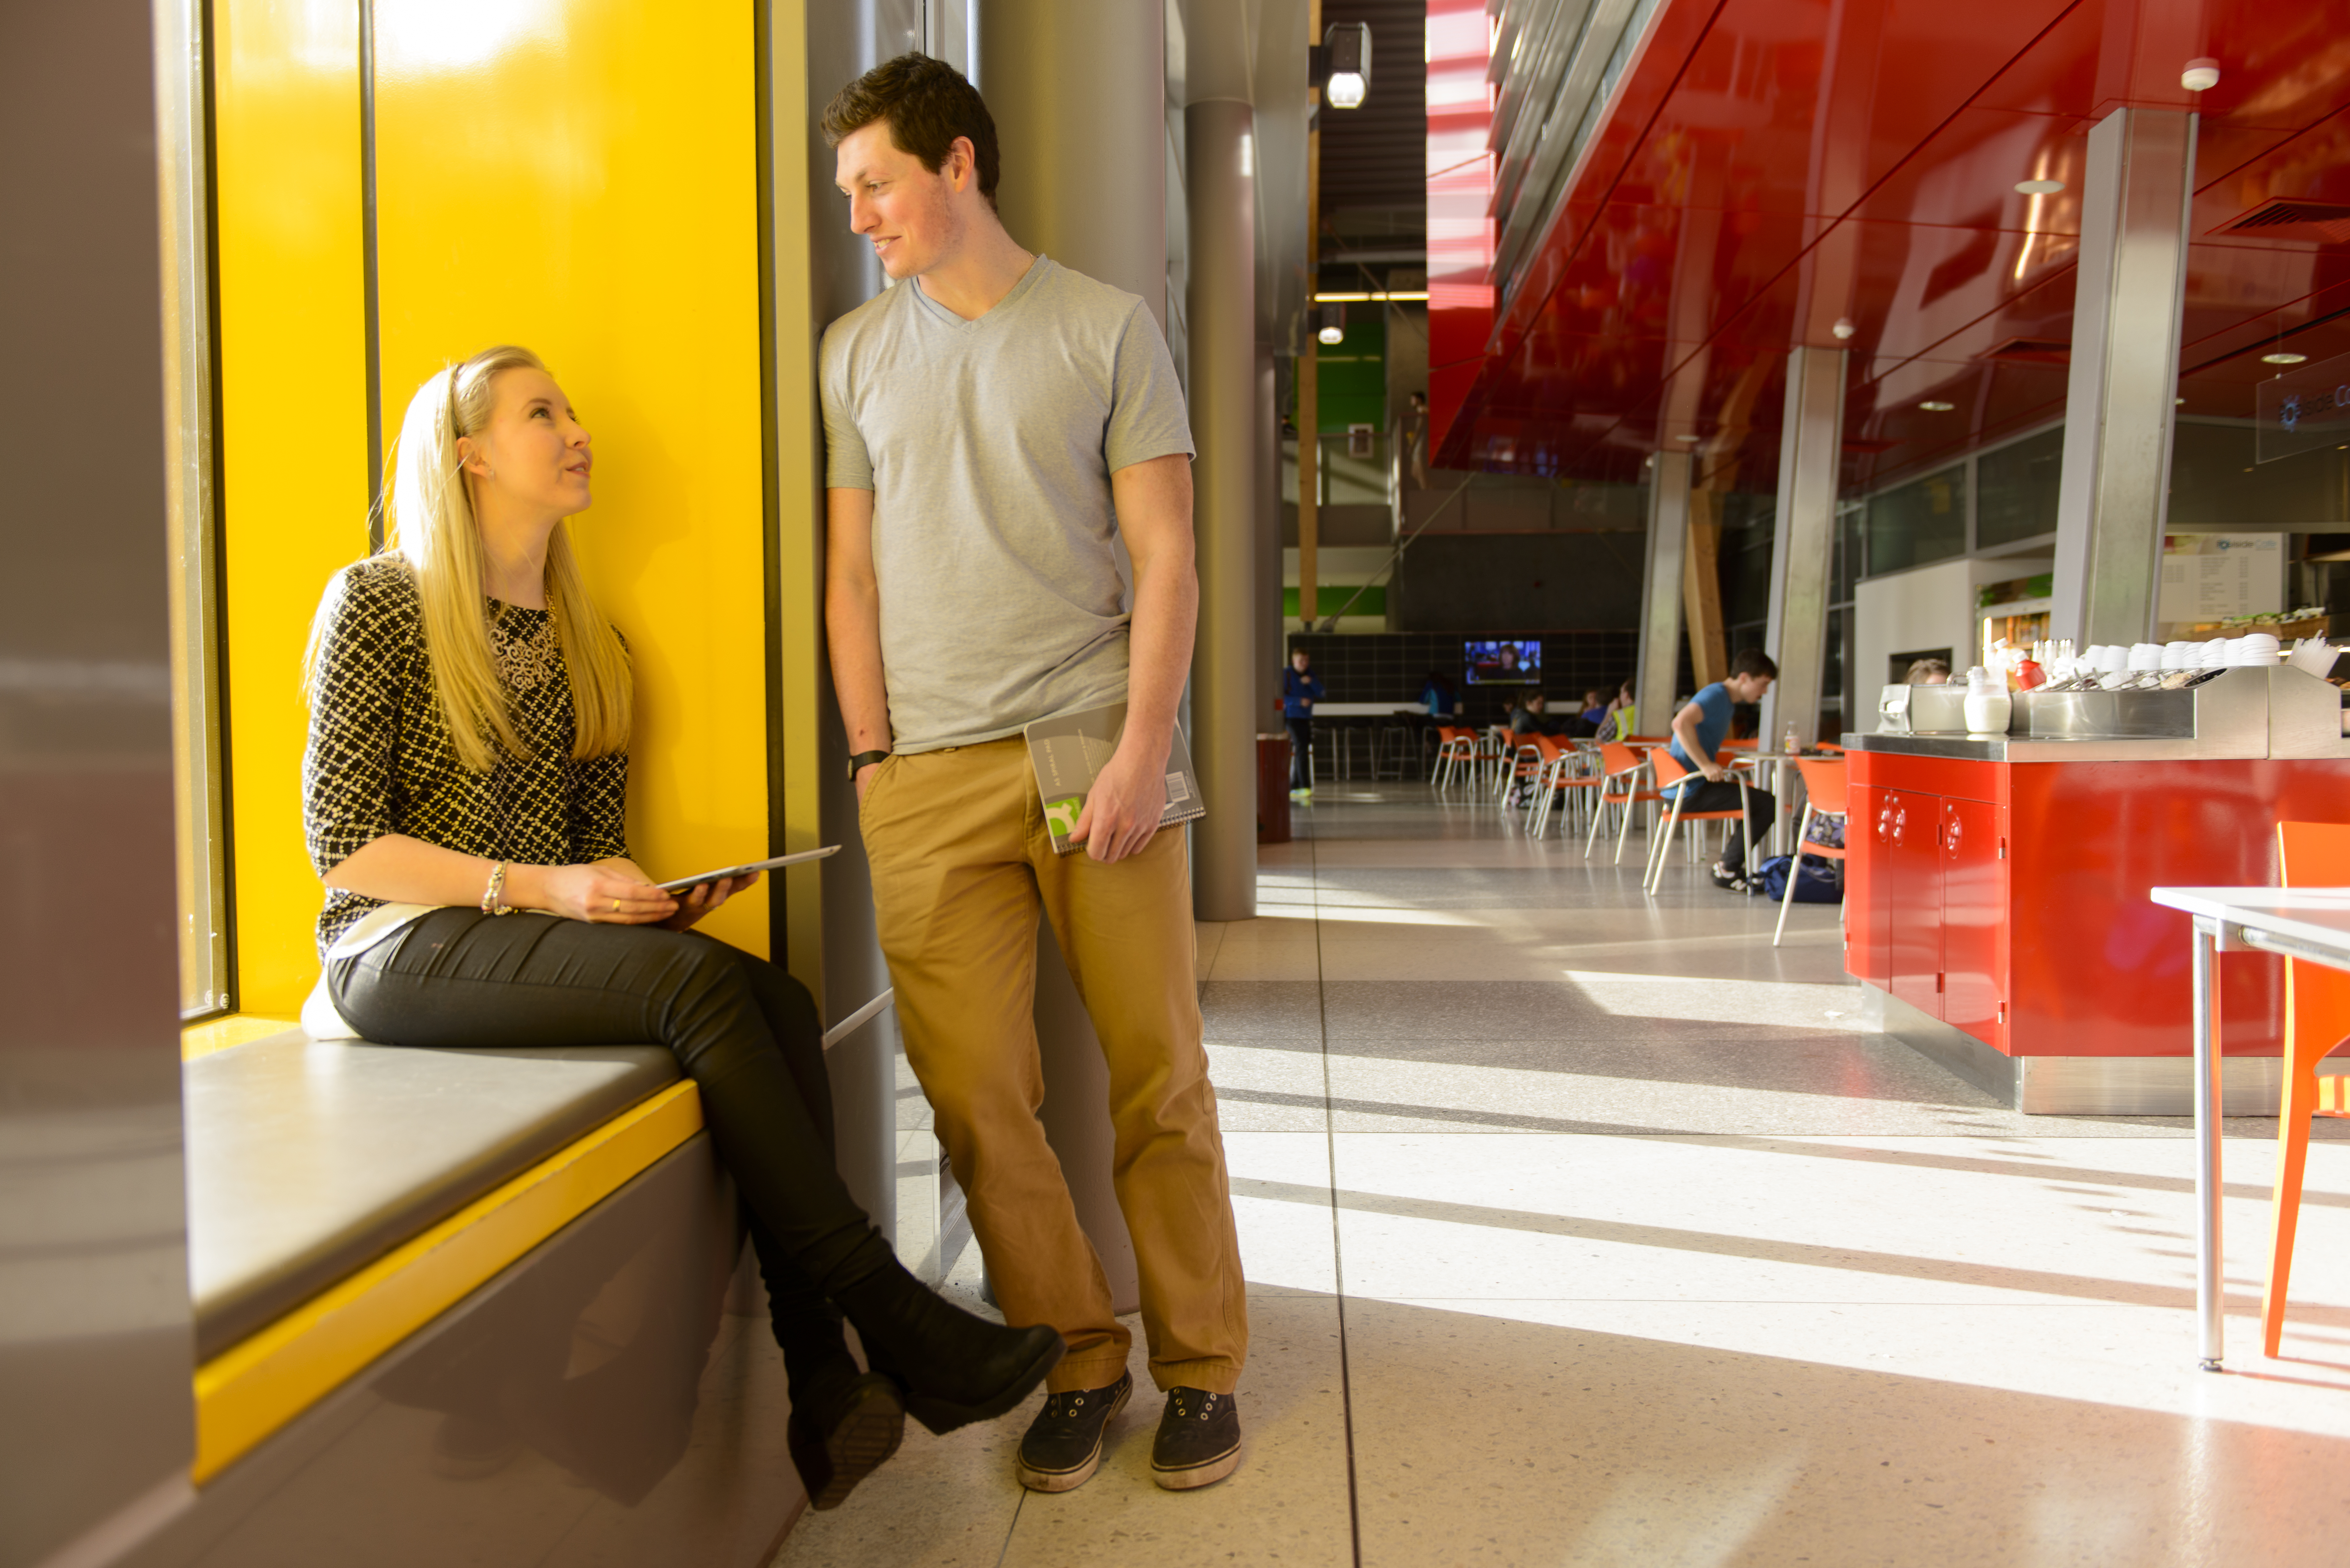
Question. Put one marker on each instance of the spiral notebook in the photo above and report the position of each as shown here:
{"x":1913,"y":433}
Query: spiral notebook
{"x":1070,"y":752}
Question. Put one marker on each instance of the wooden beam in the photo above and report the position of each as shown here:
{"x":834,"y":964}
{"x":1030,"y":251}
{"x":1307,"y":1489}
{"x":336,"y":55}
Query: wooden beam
{"x":1701,"y":589}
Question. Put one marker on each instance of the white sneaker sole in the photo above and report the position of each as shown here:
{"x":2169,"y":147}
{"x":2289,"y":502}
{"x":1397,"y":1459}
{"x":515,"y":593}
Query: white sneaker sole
{"x":1205,"y":1474}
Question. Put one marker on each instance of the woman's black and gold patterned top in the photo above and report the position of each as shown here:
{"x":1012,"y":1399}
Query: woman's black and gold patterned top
{"x":379,"y":759}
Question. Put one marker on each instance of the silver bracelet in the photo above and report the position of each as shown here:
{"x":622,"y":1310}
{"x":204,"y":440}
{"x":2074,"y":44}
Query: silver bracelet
{"x":496,"y":892}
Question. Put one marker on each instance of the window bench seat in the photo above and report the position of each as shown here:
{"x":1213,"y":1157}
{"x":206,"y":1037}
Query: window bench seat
{"x":342,"y":1194}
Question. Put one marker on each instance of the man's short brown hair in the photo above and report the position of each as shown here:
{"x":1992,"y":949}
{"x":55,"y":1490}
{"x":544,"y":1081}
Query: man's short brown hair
{"x":928,"y":104}
{"x":1753,"y":662}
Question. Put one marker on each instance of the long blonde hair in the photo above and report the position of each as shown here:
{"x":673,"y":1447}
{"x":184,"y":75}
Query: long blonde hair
{"x":431,"y":525}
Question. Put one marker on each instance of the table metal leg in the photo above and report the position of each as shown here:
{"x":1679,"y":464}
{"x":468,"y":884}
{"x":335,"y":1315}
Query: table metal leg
{"x":2209,"y":1273}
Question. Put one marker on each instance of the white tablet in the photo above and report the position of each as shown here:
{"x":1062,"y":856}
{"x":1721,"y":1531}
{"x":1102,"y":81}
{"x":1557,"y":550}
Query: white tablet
{"x":778,"y":864}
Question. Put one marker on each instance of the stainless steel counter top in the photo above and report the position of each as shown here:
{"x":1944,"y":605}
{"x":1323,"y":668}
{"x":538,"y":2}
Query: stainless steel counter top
{"x":2023,"y":749}
{"x":2243,"y":714}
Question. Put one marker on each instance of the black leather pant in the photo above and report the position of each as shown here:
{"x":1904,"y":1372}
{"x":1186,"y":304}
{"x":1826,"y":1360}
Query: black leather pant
{"x":744,"y":1031}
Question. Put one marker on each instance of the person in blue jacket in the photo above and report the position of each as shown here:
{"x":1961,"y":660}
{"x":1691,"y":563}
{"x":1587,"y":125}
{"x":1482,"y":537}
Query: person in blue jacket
{"x":1300,"y":690}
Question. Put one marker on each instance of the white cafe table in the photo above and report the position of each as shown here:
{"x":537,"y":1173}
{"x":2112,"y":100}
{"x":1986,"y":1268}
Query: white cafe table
{"x":2312,"y":923}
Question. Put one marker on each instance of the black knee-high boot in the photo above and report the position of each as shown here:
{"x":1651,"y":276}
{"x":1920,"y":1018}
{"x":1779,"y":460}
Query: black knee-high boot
{"x":845,"y":1421}
{"x":954,"y":1367}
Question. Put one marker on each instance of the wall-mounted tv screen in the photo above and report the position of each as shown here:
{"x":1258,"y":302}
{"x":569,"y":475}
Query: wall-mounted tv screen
{"x":1505,"y":663}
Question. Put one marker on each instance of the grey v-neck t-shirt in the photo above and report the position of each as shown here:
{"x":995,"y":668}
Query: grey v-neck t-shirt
{"x":988,"y":446}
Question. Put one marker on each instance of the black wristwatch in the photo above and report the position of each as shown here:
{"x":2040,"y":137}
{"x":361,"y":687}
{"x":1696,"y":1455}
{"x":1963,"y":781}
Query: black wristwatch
{"x":858,"y":763}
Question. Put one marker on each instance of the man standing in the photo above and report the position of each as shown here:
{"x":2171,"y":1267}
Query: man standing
{"x":993,"y":423}
{"x":1300,"y":690}
{"x":1698,"y":729}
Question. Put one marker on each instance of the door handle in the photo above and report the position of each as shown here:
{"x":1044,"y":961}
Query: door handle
{"x":1950,"y":835}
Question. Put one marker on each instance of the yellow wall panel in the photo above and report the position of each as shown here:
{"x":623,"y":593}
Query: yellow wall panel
{"x":292,"y":432}
{"x":580,"y":176}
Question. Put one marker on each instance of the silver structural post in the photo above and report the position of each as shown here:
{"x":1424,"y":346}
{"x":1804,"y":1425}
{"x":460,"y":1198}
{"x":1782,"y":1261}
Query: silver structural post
{"x":1270,"y":643}
{"x":2120,"y":403}
{"x":1078,"y":92}
{"x":1220,"y":179}
{"x":1811,"y":450}
{"x":1660,"y":590}
{"x":2210,"y":1275}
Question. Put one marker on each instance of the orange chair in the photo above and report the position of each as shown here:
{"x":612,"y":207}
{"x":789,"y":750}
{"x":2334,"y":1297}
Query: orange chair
{"x":1668,"y":771}
{"x":2317,"y":1019}
{"x":1822,"y":796}
{"x":1555,"y":777}
{"x":1523,"y":761}
{"x":1457,"y":750}
{"x":1621,"y":768}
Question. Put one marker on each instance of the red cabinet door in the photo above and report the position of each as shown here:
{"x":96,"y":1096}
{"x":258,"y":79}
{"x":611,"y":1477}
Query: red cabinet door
{"x":1913,"y":897}
{"x":1974,"y":899}
{"x":1865,"y":926}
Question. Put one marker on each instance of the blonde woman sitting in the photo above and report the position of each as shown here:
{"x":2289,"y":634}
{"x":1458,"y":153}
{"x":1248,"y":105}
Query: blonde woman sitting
{"x":464,"y":793}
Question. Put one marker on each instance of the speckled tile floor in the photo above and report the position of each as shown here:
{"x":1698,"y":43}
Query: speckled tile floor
{"x":1586,"y":1228}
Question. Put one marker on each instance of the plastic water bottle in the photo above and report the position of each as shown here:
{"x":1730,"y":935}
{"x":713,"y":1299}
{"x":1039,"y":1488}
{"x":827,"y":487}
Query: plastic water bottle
{"x":1794,"y":739}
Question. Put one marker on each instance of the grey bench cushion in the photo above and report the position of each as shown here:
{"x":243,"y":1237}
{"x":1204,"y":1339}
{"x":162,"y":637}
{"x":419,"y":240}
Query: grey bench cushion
{"x":308,"y":1160}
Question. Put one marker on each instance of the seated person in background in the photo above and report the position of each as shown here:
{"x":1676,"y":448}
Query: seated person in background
{"x":1927,"y":673}
{"x":1620,"y":715}
{"x":1527,"y":717}
{"x":1594,"y":708}
{"x":1698,"y":729}
{"x":464,"y":793}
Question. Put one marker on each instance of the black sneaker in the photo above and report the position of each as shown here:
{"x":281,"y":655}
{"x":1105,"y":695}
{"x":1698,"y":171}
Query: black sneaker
{"x":1728,"y":881}
{"x":1064,"y":1445}
{"x":1198,"y":1441}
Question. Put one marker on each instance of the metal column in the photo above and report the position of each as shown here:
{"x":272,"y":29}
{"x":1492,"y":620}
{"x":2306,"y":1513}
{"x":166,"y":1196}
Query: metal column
{"x":1270,"y":640}
{"x":2125,"y":376}
{"x":1661,"y":591}
{"x":1811,"y":447}
{"x":1220,"y":179}
{"x":1078,"y":91}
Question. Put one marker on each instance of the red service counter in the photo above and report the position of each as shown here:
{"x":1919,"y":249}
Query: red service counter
{"x":1996,"y":894}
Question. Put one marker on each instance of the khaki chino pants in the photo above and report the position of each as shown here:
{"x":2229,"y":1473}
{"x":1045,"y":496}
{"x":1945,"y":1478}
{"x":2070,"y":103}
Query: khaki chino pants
{"x":960,"y":860}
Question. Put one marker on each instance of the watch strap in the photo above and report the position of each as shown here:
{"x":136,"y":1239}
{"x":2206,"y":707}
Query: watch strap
{"x":858,"y":764}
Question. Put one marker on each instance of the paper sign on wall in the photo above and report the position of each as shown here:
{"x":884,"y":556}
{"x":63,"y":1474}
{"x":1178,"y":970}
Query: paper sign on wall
{"x":2211,"y":577}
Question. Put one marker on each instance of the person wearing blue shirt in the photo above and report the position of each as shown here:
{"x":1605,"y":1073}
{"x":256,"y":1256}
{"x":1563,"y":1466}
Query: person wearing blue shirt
{"x":1698,"y":729}
{"x":1437,"y":695}
{"x":1299,"y":692}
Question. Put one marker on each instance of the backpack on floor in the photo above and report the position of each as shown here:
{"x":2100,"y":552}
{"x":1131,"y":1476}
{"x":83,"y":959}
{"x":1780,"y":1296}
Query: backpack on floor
{"x":1820,"y":882}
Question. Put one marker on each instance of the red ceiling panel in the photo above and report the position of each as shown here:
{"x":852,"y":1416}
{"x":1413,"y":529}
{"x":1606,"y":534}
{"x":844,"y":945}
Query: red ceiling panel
{"x":1770,"y":166}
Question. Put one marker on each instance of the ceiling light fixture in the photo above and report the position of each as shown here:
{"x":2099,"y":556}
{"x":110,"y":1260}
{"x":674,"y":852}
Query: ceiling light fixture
{"x":1844,"y":328}
{"x":2200,"y":76}
{"x":1334,"y":324}
{"x":1937,"y":407}
{"x":2282,"y":359}
{"x":1687,"y":438}
{"x":2038,"y":187}
{"x":1341,"y":66}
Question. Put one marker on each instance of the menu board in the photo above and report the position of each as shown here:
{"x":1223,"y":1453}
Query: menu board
{"x":2208,"y":577}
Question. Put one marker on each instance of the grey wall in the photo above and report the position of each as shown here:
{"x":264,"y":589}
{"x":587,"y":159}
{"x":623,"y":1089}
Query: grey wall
{"x":96,"y":1352}
{"x":1479,"y":582}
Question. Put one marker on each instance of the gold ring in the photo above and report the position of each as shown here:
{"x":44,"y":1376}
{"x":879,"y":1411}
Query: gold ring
{"x":615,"y":906}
